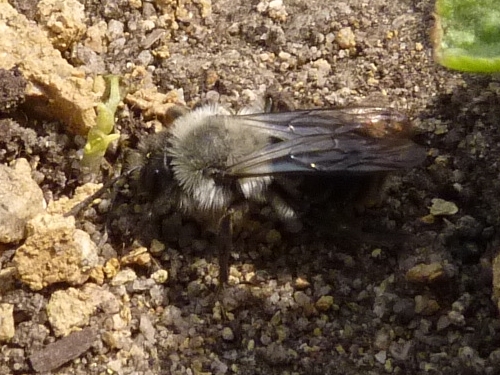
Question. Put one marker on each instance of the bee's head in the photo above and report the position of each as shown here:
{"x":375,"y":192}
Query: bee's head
{"x":152,"y":173}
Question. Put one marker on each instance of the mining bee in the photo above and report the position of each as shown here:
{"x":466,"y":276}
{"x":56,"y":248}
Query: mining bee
{"x":210,"y":162}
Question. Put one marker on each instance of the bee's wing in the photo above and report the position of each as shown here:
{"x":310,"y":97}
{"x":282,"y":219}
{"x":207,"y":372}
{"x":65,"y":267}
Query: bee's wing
{"x":330,"y":141}
{"x":289,"y":125}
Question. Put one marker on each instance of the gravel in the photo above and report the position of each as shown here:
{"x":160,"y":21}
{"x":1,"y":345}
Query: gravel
{"x":403,"y":288}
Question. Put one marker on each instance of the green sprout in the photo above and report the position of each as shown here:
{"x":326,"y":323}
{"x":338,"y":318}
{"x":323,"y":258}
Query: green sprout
{"x":467,"y":35}
{"x":100,"y":136}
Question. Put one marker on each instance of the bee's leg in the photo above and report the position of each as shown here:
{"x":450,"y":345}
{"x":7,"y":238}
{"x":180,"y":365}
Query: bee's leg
{"x":225,"y":246}
{"x":108,"y":185}
{"x":76,"y":209}
{"x":372,"y":193}
{"x":276,"y":100}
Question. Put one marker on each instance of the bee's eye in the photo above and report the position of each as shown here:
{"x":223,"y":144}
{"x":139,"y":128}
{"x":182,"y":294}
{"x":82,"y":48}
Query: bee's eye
{"x":155,"y":175}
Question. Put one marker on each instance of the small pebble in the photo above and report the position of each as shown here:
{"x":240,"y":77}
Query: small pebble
{"x":425,"y":273}
{"x":227,"y":334}
{"x":123,"y":277}
{"x":381,"y":356}
{"x":345,"y":38}
{"x":160,"y":276}
{"x":440,"y":207}
{"x":324,"y":303}
{"x":302,"y":299}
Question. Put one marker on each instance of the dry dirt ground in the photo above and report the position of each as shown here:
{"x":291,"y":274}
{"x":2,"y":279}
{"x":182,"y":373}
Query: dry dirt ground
{"x":401,"y":292}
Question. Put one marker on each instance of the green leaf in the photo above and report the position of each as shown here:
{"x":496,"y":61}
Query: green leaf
{"x":100,"y":136}
{"x":467,"y":35}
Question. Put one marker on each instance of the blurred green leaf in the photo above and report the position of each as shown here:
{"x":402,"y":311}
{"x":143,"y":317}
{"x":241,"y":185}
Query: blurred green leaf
{"x":100,"y":136}
{"x":467,"y":35}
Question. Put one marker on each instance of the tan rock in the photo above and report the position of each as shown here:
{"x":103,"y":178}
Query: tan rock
{"x":152,"y":103}
{"x":345,"y":38}
{"x":95,"y":37}
{"x":111,"y":268}
{"x":324,"y":303}
{"x":425,"y":305}
{"x":64,"y":204}
{"x":7,"y":328}
{"x":68,"y":310}
{"x":160,"y":276}
{"x":425,"y":273}
{"x":54,"y":252}
{"x":440,"y":207}
{"x":124,"y":276}
{"x":139,"y":256}
{"x":56,"y":89}
{"x":62,"y":20}
{"x":20,"y":200}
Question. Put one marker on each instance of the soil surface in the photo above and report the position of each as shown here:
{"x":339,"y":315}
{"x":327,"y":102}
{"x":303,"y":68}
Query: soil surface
{"x":388,"y":289}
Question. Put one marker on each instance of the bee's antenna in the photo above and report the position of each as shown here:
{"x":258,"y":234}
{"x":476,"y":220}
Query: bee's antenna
{"x":87,"y":201}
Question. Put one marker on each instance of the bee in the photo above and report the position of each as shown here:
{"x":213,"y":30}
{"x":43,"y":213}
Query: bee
{"x":211,"y":162}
